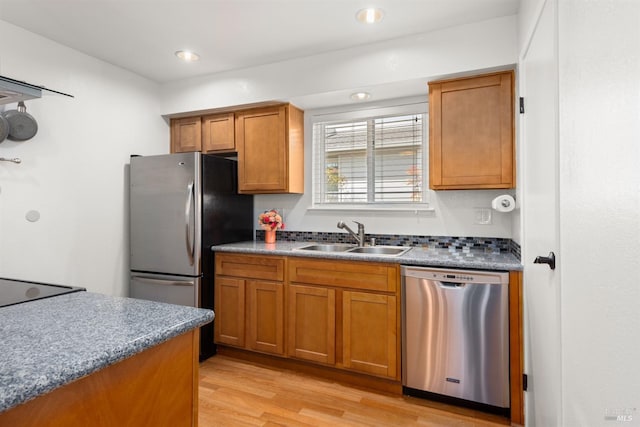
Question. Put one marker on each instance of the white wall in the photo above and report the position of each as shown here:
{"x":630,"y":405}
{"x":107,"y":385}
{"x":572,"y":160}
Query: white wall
{"x":479,"y":46}
{"x":599,"y":72}
{"x":73,"y":171}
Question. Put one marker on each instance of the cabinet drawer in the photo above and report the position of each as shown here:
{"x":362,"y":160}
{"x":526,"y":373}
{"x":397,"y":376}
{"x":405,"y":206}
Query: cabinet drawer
{"x":250,"y":267}
{"x":345,"y":274}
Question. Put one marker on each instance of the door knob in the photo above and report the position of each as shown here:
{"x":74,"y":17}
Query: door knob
{"x":551,"y":260}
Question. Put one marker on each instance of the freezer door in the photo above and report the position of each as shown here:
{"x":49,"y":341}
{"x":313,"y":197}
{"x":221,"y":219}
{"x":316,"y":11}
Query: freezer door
{"x":164,"y":288}
{"x":165,"y":214}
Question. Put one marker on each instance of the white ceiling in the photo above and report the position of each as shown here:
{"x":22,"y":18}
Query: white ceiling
{"x":142,"y":35}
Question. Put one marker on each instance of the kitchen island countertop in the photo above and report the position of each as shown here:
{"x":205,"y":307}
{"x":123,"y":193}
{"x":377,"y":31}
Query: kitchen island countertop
{"x":420,"y":256}
{"x":48,"y":343}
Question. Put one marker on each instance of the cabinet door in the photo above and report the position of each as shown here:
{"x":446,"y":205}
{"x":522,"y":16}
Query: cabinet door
{"x":218,"y":133}
{"x":471,"y":133}
{"x":370,"y":333}
{"x":186,"y":135}
{"x":265,"y":316}
{"x":262,"y":150}
{"x":229,"y":323}
{"x":311,"y":324}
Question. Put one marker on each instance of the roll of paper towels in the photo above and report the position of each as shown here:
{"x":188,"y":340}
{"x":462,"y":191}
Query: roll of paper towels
{"x":504,"y":203}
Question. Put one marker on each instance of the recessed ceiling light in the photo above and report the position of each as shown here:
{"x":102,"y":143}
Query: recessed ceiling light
{"x":187,"y":56}
{"x":370,"y":15}
{"x":360,"y":96}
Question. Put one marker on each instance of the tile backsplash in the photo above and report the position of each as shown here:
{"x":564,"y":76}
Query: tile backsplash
{"x":490,"y":244}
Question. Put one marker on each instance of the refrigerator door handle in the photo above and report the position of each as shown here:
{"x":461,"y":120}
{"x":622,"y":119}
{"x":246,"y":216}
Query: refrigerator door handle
{"x":189,"y":240}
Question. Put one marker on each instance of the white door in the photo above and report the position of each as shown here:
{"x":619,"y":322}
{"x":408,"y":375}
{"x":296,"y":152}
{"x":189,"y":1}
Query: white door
{"x":540,"y":219}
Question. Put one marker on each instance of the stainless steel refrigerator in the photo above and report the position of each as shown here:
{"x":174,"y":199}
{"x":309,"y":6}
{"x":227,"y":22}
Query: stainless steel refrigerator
{"x":180,"y":205}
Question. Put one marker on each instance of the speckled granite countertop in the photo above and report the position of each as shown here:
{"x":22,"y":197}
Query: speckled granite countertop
{"x":48,"y":343}
{"x":420,"y":256}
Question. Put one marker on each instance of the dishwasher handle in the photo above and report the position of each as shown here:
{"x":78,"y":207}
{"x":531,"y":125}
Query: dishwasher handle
{"x":451,"y":285}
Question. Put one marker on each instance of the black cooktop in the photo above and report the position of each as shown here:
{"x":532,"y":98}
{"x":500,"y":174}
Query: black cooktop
{"x":19,"y":291}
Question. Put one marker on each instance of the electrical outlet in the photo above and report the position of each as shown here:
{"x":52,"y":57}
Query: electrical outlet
{"x":482,"y":216}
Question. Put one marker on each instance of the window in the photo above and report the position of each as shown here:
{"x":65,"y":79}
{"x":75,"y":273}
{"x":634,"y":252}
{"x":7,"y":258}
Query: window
{"x":370,"y":157}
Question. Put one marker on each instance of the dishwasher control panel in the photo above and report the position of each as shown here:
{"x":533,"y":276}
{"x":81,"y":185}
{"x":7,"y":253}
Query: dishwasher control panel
{"x":461,"y":276}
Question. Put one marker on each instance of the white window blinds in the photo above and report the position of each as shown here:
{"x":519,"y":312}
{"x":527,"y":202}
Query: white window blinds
{"x":373,"y":160}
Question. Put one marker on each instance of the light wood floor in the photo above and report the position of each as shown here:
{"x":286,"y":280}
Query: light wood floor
{"x":238,"y":393}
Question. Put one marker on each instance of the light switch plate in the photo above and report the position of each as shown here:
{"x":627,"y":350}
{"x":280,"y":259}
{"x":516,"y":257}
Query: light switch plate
{"x":482,"y":216}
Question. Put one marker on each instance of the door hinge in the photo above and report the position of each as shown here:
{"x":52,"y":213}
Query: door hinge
{"x":525,"y":381}
{"x":521,"y":105}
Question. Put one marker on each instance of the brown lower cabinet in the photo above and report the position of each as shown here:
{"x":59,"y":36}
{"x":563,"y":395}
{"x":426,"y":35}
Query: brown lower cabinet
{"x":311,"y":323}
{"x":336,"y":313}
{"x":328,"y":317}
{"x":345,"y":314}
{"x":249,"y":302}
{"x":229,"y":327}
{"x":265,"y":316}
{"x":365,"y":339}
{"x":369,"y":333}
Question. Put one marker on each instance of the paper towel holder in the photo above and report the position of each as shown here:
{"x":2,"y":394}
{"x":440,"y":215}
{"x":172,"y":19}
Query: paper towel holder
{"x":504,"y":203}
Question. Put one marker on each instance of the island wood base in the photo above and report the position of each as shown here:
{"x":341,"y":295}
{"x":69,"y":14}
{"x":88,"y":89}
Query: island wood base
{"x":158,"y":387}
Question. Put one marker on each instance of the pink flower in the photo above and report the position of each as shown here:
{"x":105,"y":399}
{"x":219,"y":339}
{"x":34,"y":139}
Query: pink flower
{"x":270,"y":220}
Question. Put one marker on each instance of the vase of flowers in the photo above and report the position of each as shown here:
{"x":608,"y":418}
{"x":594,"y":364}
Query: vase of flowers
{"x":270,"y":221}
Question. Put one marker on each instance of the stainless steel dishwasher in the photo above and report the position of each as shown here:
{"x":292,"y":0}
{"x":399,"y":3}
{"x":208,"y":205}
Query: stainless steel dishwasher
{"x":455,"y":331}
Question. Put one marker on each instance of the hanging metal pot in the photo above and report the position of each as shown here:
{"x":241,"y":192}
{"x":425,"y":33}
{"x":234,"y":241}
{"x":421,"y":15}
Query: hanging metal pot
{"x":22,"y":126}
{"x":4,"y":127}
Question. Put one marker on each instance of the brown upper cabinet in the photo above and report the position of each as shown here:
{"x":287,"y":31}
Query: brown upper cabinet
{"x":218,"y":133}
{"x":186,"y":134}
{"x":471,"y":132}
{"x":270,"y":144}
{"x":209,"y":134}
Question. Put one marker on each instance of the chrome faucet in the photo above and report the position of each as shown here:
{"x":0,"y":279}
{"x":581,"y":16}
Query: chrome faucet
{"x":359,"y":237}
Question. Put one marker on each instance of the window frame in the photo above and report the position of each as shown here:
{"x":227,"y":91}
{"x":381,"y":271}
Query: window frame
{"x":408,"y":106}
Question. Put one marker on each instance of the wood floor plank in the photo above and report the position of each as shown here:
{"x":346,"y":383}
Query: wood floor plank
{"x":290,"y":419}
{"x":238,"y":393}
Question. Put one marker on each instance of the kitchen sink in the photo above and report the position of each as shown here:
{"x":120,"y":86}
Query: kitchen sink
{"x":333,"y":247}
{"x":379,"y":250}
{"x":351,"y":249}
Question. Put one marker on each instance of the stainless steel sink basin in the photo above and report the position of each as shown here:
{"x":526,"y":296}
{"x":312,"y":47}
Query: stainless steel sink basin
{"x":351,"y":249}
{"x":379,"y":250}
{"x":333,"y":247}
